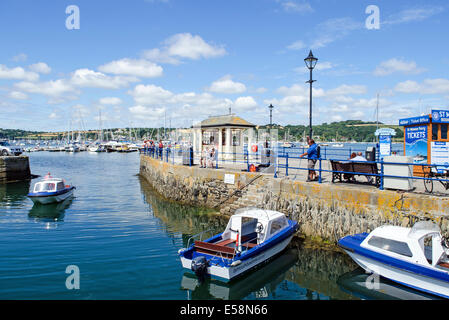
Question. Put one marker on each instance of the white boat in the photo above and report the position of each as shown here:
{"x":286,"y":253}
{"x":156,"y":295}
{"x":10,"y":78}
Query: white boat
{"x":252,"y":237}
{"x":50,"y":190}
{"x":337,"y":145}
{"x":72,"y":148}
{"x":415,"y":257}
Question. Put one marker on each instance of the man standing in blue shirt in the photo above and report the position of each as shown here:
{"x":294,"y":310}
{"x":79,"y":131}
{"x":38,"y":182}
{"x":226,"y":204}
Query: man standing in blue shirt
{"x":312,"y":155}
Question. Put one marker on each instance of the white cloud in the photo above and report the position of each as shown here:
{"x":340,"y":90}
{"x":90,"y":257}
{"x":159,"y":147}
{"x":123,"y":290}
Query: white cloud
{"x":20,"y":57}
{"x":295,"y":6}
{"x":245,"y":103}
{"x":428,"y":86}
{"x":226,"y":85}
{"x":150,"y":94}
{"x":18,"y":95}
{"x":397,"y":65}
{"x":40,"y":67}
{"x":147,"y":113}
{"x":17,"y":73}
{"x":347,"y":89}
{"x":138,"y":68}
{"x":413,"y":14}
{"x":184,"y":46}
{"x":93,"y":79}
{"x":113,"y":101}
{"x":297,"y":45}
{"x":53,"y":88}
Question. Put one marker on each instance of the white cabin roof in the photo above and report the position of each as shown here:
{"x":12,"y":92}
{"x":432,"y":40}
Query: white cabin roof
{"x":259,"y":214}
{"x":402,"y":233}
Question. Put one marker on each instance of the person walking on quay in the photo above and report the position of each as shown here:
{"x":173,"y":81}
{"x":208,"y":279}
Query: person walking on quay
{"x":161,"y":148}
{"x":312,"y":156}
{"x":203,"y":159}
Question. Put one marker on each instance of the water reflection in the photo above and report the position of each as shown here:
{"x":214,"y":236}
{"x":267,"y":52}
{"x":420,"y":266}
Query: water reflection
{"x":259,"y":283}
{"x":360,"y":284}
{"x":14,"y":193}
{"x":53,"y":212}
{"x":181,"y":219}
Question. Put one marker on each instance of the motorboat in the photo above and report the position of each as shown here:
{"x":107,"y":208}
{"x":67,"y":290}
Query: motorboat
{"x":252,"y":236}
{"x":50,"y":190}
{"x":416,"y":257}
{"x":337,"y":145}
{"x":259,"y":283}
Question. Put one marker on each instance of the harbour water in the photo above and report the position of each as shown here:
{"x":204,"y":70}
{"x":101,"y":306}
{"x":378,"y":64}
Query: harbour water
{"x":124,"y":239}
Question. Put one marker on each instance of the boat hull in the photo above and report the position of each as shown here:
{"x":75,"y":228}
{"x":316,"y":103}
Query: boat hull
{"x":228,"y":273}
{"x":51,"y":198}
{"x":401,"y":276}
{"x":425,"y":278}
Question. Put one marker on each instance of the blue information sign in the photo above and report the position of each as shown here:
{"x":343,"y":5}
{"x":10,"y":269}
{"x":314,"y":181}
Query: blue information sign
{"x":414,"y":120}
{"x":440,"y":116}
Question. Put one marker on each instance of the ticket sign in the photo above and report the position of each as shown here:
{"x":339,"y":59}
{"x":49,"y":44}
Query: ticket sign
{"x":416,"y":143}
{"x":440,"y":116}
{"x":414,"y":120}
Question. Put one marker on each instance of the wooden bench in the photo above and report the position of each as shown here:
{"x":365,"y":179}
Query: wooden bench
{"x":354,"y":168}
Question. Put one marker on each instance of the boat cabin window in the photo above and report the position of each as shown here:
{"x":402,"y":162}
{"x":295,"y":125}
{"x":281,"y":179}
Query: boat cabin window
{"x":277,"y":225}
{"x":398,"y":247}
{"x":60,"y":186}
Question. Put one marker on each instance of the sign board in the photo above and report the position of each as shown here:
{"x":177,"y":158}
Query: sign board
{"x":385,"y":132}
{"x":416,"y":143}
{"x":229,"y":178}
{"x":440,"y":153}
{"x":414,"y":120}
{"x":440,"y":116}
{"x":385,"y":145}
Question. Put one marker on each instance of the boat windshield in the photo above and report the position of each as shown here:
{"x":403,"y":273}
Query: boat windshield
{"x":43,"y":187}
{"x":424,"y":227}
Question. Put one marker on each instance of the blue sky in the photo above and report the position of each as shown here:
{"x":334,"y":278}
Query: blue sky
{"x":143,"y":61}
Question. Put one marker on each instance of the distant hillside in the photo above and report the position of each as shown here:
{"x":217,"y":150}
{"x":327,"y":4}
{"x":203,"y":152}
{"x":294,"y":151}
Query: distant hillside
{"x":349,"y":130}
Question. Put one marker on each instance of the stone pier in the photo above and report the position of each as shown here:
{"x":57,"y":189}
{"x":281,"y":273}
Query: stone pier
{"x":14,"y":169}
{"x":325,"y":212}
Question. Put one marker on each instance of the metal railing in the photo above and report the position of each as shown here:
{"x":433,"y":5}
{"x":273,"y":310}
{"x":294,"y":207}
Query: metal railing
{"x":283,"y":163}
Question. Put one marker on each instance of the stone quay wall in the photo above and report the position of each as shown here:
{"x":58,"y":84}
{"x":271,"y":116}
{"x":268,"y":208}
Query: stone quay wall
{"x":325,"y":212}
{"x":14,"y":169}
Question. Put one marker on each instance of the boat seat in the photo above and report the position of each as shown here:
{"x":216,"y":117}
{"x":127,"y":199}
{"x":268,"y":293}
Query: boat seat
{"x":225,"y":242}
{"x":214,"y":249}
{"x":444,"y":265}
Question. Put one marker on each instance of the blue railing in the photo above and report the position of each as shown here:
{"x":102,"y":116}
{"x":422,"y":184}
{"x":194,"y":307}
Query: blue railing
{"x":261,"y":158}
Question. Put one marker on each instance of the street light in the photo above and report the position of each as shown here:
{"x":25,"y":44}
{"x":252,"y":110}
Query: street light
{"x":310,"y":63}
{"x":271,"y":115}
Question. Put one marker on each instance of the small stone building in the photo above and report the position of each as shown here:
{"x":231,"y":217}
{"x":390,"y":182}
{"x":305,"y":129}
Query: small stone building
{"x":228,"y":134}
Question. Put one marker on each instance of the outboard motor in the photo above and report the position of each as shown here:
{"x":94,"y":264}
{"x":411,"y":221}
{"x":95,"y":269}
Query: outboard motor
{"x":199,"y":266}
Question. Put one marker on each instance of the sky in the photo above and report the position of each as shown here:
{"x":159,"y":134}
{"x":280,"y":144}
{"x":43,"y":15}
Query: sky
{"x":150,"y":63}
